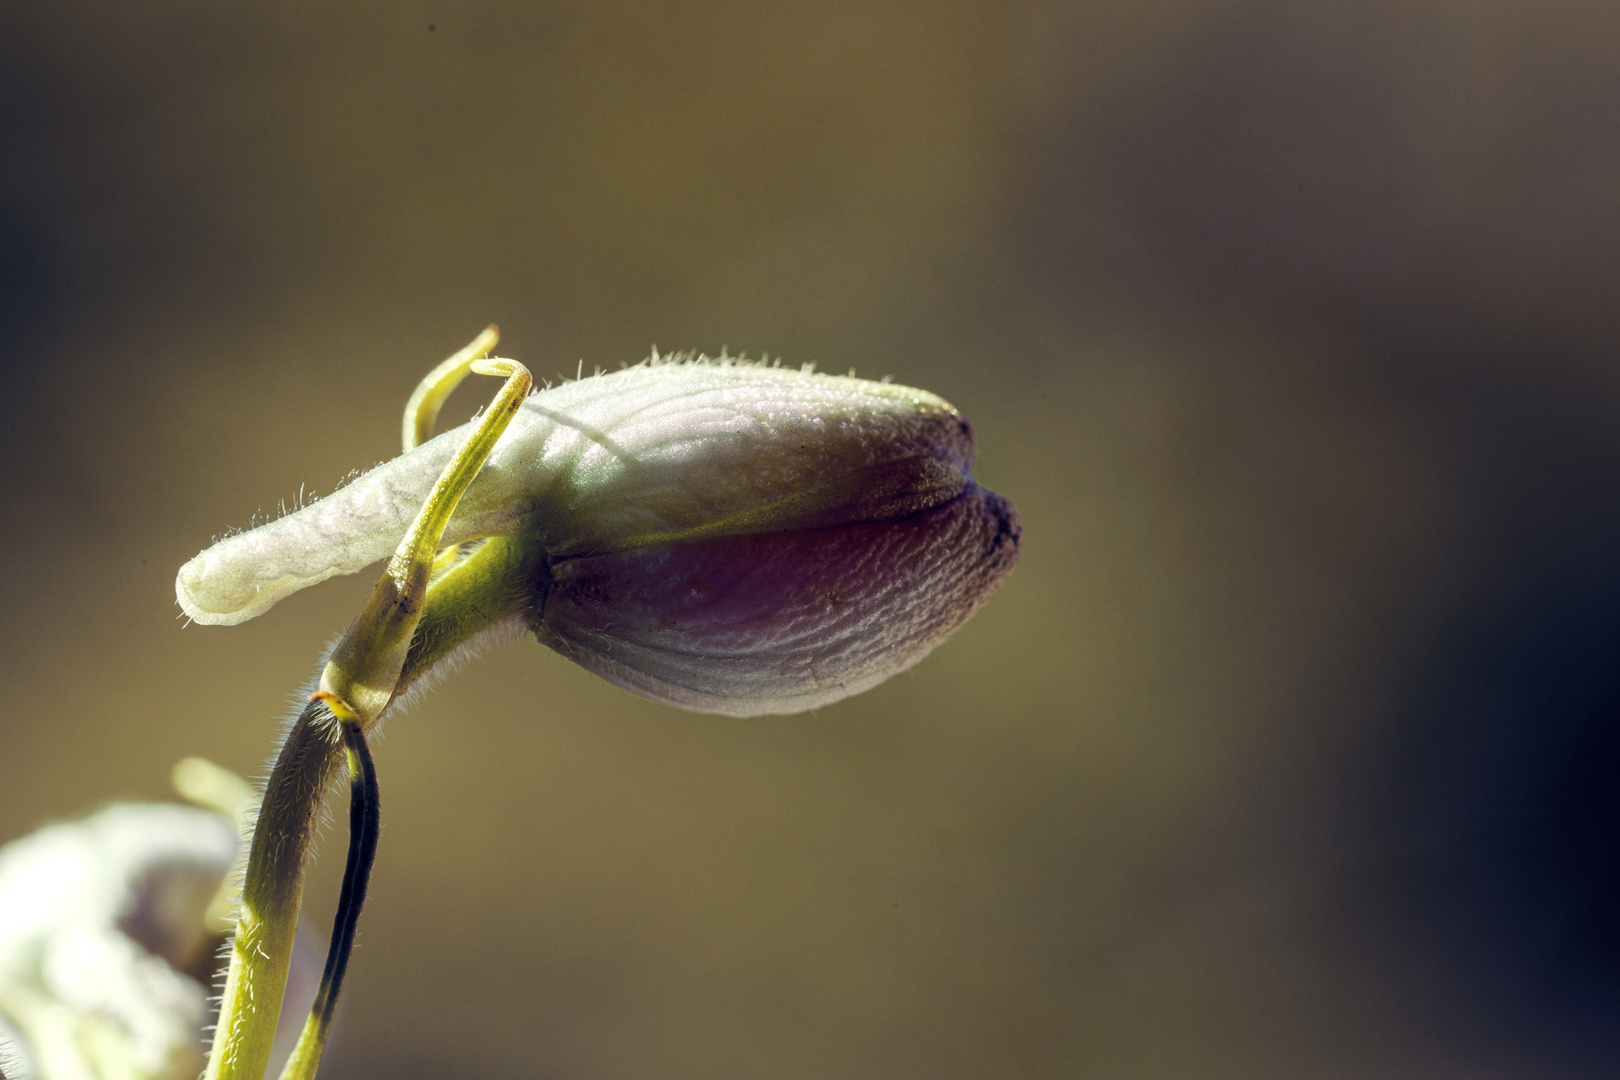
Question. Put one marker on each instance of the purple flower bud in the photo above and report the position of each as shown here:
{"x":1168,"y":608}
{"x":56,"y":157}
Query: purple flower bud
{"x":722,"y":536}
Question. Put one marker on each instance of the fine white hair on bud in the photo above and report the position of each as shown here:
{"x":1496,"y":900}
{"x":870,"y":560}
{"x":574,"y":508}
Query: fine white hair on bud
{"x":721,"y":535}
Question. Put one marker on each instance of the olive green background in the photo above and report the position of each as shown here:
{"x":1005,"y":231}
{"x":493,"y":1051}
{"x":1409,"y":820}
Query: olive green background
{"x":1291,"y":329}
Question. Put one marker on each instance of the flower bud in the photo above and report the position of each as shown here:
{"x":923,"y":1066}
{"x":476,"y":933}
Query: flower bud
{"x":723,"y":536}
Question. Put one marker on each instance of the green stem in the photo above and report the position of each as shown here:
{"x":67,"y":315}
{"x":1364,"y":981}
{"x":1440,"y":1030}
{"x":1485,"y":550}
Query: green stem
{"x":271,"y":896}
{"x":492,"y":585}
{"x":362,"y":678}
{"x":365,"y":825}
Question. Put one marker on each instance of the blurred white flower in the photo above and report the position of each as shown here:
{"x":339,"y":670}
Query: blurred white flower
{"x":103,"y":941}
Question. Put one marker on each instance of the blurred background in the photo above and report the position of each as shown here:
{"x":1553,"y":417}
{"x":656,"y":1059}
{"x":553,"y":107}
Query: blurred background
{"x":1291,"y":750}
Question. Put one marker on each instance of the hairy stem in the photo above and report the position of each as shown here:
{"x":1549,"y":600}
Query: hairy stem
{"x":365,"y":825}
{"x":271,"y":896}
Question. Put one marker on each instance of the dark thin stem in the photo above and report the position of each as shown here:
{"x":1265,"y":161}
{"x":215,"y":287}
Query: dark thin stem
{"x":272,"y":891}
{"x":365,"y":825}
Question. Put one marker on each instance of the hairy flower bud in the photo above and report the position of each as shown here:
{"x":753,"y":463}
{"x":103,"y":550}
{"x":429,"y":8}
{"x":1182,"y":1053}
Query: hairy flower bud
{"x":723,"y":536}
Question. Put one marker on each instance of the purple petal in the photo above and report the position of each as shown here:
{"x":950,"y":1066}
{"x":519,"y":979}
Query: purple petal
{"x":781,"y":622}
